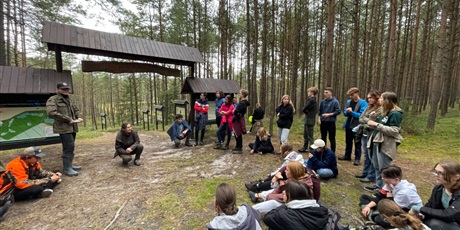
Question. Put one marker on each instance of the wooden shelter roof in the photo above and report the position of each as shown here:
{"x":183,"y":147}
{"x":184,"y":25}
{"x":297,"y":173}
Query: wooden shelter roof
{"x":199,"y":85}
{"x":73,"y":39}
{"x":22,"y":80}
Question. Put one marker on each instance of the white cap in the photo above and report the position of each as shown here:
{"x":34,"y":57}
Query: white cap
{"x":318,"y":144}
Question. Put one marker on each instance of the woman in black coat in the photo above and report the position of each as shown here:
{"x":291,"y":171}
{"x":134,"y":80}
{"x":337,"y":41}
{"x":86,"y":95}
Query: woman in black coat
{"x":285,"y":113}
{"x":300,"y":211}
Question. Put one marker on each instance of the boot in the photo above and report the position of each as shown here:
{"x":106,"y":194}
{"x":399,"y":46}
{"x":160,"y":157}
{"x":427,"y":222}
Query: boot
{"x":218,"y":146}
{"x":68,"y":170}
{"x":225,"y":147}
{"x":76,"y":167}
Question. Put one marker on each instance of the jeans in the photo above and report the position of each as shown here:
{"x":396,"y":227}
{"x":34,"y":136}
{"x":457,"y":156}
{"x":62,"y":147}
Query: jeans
{"x":325,"y":173}
{"x":368,"y":168}
{"x":328,"y":127}
{"x":308,"y":136}
{"x":267,"y":206}
{"x":220,"y":132}
{"x":68,"y":147}
{"x":283,"y":134}
{"x":350,"y":140}
{"x":379,"y":160}
{"x":32,"y":191}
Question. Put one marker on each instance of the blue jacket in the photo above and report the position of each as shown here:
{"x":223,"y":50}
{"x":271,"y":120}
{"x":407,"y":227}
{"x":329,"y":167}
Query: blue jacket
{"x":355,"y":114}
{"x":329,"y":106}
{"x":219,"y":102}
{"x":321,"y":160}
{"x":174,"y":132}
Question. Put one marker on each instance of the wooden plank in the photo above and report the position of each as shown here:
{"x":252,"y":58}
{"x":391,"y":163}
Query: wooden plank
{"x":53,"y":33}
{"x":86,"y":38}
{"x":66,"y":35}
{"x":148,"y":48}
{"x":97,"y":39}
{"x":22,"y":80}
{"x":73,"y":36}
{"x":43,"y":80}
{"x":114,"y":42}
{"x":80,"y":39}
{"x":60,"y":34}
{"x":92,"y":39}
{"x":120,"y":43}
{"x":135,"y":49}
{"x":108,"y":41}
{"x":102,"y":39}
{"x":14,"y":80}
{"x":46,"y":32}
{"x":127,"y":44}
{"x":29,"y":80}
{"x":6,"y":79}
{"x":51,"y":82}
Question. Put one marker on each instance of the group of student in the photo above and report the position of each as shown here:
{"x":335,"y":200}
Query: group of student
{"x":294,"y":202}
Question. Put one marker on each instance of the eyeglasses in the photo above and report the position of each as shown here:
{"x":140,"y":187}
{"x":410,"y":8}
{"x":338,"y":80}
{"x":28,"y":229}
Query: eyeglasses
{"x":437,"y":173}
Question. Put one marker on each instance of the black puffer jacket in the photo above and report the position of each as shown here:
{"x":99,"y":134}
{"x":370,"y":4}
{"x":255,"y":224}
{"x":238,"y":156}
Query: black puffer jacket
{"x":286,"y":116}
{"x":314,"y":218}
{"x":434,"y":209}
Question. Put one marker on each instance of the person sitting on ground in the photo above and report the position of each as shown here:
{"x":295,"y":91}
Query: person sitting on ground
{"x":257,"y":117}
{"x":263,"y":143}
{"x":229,"y":216}
{"x":398,"y":218}
{"x":322,"y":160}
{"x":266,"y":184}
{"x":31,"y":181}
{"x":401,"y":191}
{"x":180,"y":130}
{"x":442,"y":211}
{"x":301,"y":211}
{"x":127,"y":143}
{"x":295,"y":171}
{"x":226,"y":123}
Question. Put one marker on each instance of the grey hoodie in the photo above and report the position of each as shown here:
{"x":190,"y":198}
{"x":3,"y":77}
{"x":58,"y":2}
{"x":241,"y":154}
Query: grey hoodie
{"x":247,"y":218}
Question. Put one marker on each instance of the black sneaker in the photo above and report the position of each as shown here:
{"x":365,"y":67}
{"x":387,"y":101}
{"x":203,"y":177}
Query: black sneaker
{"x":361,"y":175}
{"x":344,"y":158}
{"x":254,"y":199}
{"x":251,"y":187}
{"x":303,"y":150}
{"x":356,"y":163}
{"x":372,"y":188}
{"x":188,"y":144}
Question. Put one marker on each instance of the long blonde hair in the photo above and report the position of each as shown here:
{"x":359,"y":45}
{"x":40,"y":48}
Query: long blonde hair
{"x":290,"y":102}
{"x":262,"y":133}
{"x":390,"y":102}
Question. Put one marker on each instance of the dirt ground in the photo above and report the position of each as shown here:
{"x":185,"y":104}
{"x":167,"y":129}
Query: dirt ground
{"x":105,"y":187}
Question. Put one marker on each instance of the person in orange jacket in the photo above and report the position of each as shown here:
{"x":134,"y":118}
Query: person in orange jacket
{"x":31,"y":180}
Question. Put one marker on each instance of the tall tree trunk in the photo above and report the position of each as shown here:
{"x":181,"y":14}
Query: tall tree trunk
{"x":2,"y":36}
{"x":23,"y":34}
{"x":390,"y":62}
{"x":263,"y":80}
{"x":452,"y":50}
{"x":422,"y":65}
{"x":440,"y":65}
{"x":248,"y":46}
{"x":8,"y":34}
{"x":255,"y":56}
{"x":413,"y":56}
{"x":271,"y":109}
{"x":329,"y":42}
{"x":355,"y":52}
{"x":15,"y":33}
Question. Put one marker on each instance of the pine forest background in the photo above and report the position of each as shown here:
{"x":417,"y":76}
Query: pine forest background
{"x":271,"y":47}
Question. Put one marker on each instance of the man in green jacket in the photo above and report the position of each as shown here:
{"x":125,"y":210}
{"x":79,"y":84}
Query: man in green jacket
{"x":66,"y":117}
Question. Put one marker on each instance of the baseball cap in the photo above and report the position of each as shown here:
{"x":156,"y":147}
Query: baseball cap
{"x":34,"y":151}
{"x":62,"y":85}
{"x":318,"y":144}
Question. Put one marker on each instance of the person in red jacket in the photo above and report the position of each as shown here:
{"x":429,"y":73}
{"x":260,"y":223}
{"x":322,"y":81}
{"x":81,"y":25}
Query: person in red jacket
{"x":31,"y":180}
{"x":201,"y":117}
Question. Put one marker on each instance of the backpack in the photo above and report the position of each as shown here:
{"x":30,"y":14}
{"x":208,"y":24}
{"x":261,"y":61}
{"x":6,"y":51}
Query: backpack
{"x":8,"y":180}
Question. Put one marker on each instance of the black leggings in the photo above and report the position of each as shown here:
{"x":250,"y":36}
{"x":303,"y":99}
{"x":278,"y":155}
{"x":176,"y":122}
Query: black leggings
{"x":196,"y":135}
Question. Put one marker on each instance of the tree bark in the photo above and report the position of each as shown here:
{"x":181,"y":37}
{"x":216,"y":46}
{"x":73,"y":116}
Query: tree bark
{"x":329,"y":42}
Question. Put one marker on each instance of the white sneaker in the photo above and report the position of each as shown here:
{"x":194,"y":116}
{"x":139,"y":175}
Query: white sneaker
{"x":46,"y":193}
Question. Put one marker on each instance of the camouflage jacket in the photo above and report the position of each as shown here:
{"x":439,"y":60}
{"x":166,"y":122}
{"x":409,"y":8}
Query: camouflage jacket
{"x":63,"y":110}
{"x":26,"y":175}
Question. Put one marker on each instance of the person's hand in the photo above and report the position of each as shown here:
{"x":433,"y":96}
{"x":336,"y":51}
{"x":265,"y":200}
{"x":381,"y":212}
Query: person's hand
{"x":372,"y":123}
{"x":55,"y":178}
{"x":80,"y":119}
{"x":181,"y":135}
{"x":366,"y":211}
{"x":310,"y":155}
{"x":278,"y":114}
{"x":372,"y":113}
{"x":348,"y":110}
{"x":129,"y":150}
{"x":251,"y":152}
{"x":319,"y":121}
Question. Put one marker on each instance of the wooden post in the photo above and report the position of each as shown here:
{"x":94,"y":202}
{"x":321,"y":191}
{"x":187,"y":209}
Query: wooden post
{"x":58,"y":59}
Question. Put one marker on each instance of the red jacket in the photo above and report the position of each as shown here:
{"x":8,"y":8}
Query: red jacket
{"x":19,"y":168}
{"x":228,"y":117}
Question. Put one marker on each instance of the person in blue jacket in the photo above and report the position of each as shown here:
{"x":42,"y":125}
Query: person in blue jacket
{"x":180,"y":130}
{"x":329,"y":109}
{"x":220,"y":100}
{"x":322,"y":160}
{"x":354,"y":107}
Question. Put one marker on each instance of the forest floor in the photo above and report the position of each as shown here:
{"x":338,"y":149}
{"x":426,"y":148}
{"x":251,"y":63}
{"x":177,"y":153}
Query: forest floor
{"x":174,"y":188}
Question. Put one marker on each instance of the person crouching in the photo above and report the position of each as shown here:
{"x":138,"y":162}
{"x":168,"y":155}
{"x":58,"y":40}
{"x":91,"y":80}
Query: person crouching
{"x":127,"y":143}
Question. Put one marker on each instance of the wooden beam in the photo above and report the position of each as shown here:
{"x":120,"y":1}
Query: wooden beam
{"x":127,"y":67}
